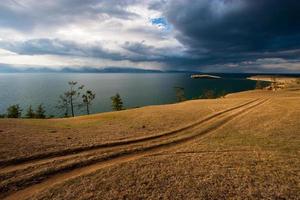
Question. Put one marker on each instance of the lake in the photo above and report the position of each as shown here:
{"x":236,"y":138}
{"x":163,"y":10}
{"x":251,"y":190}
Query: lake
{"x":136,"y":89}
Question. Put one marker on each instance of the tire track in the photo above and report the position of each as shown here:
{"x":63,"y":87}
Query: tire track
{"x":128,"y":155}
{"x":9,"y":165}
{"x":24,"y":179}
{"x":72,"y":166}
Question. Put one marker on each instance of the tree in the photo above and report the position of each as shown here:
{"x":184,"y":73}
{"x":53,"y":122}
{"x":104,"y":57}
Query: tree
{"x":63,"y":104}
{"x":180,"y":94}
{"x":40,"y":112}
{"x":208,"y":94}
{"x":117,"y":103}
{"x":30,"y":113}
{"x":70,"y":97}
{"x":14,"y":111}
{"x":87,"y":99}
{"x":73,"y":94}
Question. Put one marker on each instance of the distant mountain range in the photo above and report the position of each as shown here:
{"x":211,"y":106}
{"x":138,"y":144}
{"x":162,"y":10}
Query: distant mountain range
{"x":10,"y":69}
{"x":13,"y":69}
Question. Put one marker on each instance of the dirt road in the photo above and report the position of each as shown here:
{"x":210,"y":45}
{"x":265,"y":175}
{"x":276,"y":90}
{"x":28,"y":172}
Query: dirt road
{"x":40,"y":172}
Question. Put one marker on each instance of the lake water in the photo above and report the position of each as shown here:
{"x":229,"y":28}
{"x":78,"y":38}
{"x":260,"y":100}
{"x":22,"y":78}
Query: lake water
{"x":135,"y":89}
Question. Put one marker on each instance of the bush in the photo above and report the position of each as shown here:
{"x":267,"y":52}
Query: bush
{"x":40,"y":112}
{"x":117,"y":103}
{"x":14,"y":111}
{"x":180,"y":94}
{"x":208,"y":94}
{"x":30,"y":113}
{"x":222,"y":94}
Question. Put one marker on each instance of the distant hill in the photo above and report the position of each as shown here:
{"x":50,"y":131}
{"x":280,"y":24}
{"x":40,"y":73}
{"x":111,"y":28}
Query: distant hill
{"x":13,"y":69}
{"x":10,"y":69}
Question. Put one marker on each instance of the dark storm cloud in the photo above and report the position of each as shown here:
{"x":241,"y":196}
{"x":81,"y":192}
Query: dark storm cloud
{"x":236,"y":29}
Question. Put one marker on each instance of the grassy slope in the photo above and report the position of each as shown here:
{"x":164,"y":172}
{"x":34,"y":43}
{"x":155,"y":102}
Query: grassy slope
{"x":26,"y":137}
{"x":253,"y":156}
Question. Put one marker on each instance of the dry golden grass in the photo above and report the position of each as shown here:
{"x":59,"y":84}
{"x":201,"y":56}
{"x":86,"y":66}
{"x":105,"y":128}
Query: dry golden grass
{"x":197,"y":175}
{"x":21,"y":138}
{"x":250,"y":152}
{"x":253,"y":157}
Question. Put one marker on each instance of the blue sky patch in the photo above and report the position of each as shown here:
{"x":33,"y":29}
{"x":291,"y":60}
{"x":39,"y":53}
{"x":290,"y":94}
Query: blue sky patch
{"x":161,"y":22}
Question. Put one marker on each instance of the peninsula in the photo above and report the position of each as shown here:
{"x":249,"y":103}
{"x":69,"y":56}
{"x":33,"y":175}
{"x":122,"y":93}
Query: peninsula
{"x":204,"y":76}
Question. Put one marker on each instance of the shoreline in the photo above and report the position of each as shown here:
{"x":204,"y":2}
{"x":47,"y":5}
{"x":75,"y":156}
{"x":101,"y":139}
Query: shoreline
{"x":267,"y":78}
{"x":234,"y":125}
{"x":274,"y":78}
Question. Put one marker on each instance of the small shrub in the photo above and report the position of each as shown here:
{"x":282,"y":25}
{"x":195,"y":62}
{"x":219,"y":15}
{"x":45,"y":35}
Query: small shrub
{"x":30,"y":113}
{"x":208,"y":94}
{"x":222,"y":94}
{"x":117,"y":103}
{"x":180,"y":94}
{"x":40,"y":112}
{"x":14,"y":111}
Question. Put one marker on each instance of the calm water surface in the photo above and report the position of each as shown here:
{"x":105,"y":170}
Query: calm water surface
{"x":135,"y":89}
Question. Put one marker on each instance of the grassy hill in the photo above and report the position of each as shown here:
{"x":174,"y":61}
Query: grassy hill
{"x":243,"y":146}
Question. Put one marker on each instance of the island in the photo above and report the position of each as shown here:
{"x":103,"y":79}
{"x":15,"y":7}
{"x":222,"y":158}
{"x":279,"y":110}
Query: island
{"x":204,"y":76}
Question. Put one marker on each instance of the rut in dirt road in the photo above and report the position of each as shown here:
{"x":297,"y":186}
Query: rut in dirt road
{"x":12,"y":170}
{"x":50,"y":155}
{"x":152,"y":146}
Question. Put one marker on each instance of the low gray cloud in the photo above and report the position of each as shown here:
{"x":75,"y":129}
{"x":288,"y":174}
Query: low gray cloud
{"x":134,"y":51}
{"x":25,"y":15}
{"x":59,"y":47}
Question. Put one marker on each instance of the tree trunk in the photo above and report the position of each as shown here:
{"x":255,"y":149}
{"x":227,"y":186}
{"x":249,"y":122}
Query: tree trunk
{"x":67,"y":111}
{"x":87,"y":109}
{"x":72,"y":109}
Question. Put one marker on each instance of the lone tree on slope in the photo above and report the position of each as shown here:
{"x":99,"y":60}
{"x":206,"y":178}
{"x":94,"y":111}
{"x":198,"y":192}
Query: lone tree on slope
{"x":117,"y":103}
{"x":69,"y":98}
{"x":87,"y":99}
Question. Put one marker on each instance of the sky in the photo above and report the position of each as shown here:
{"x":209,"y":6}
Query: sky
{"x":201,"y":35}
